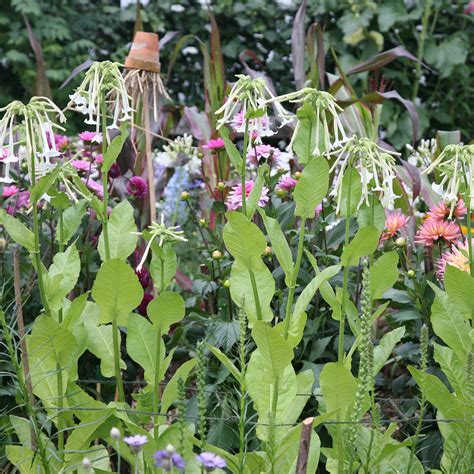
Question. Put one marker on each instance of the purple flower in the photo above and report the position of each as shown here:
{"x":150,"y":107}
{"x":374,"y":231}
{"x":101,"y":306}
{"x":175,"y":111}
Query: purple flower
{"x":114,"y":171}
{"x":137,"y":187}
{"x":168,"y":459}
{"x":211,"y":461}
{"x":136,"y":442}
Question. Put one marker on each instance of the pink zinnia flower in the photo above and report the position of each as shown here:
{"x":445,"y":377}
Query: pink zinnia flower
{"x":432,"y":231}
{"x":137,"y":187}
{"x":266,"y":152}
{"x":287,"y":183}
{"x":90,"y":137}
{"x":457,"y":256}
{"x":442,"y":211}
{"x":394,"y":222}
{"x":234,"y":200}
{"x":81,"y":165}
{"x":9,"y":191}
{"x":214,"y":144}
{"x":469,"y":8}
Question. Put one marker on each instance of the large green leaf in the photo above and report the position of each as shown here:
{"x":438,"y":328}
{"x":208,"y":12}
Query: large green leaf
{"x":166,"y":309}
{"x":163,"y":265}
{"x":231,"y":149}
{"x":254,"y":196}
{"x":17,"y":231}
{"x":279,"y":244}
{"x":170,"y":393}
{"x":312,"y":187}
{"x":351,"y":188}
{"x":62,"y":276}
{"x":451,"y":367}
{"x":122,"y":232}
{"x":100,"y":343}
{"x":305,"y":140}
{"x":460,"y":288}
{"x":142,"y":341}
{"x":72,"y":217}
{"x":339,"y":388}
{"x":117,"y":291}
{"x":383,"y":274}
{"x":226,"y":362}
{"x":364,"y":243}
{"x":450,"y":325}
{"x":244,"y":240}
{"x":384,"y":349}
{"x":114,"y":148}
{"x":368,"y":216}
{"x":276,"y":352}
{"x":242,"y":293}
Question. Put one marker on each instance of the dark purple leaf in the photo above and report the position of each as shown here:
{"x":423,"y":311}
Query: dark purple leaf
{"x":82,"y":67}
{"x":415,"y":176}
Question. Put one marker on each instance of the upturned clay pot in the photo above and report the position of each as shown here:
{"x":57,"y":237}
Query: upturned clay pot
{"x":144,"y":53}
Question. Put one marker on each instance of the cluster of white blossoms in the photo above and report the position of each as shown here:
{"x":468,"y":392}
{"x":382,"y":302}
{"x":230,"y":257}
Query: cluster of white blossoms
{"x":455,"y":165}
{"x":180,"y":152}
{"x":28,"y":126}
{"x":103,"y":88}
{"x":422,"y":155}
{"x":249,"y":97}
{"x":373,"y":163}
{"x":325,"y":108}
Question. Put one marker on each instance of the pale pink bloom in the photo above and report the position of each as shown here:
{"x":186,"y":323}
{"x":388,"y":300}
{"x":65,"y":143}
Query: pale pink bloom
{"x":457,"y":256}
{"x":214,"y":144}
{"x":394,"y":222}
{"x":442,"y":210}
{"x":234,"y":200}
{"x":263,"y":152}
{"x":9,"y":191}
{"x":469,"y":8}
{"x":81,"y":165}
{"x":94,"y":186}
{"x":432,"y":231}
{"x":90,"y":137}
{"x":287,"y":183}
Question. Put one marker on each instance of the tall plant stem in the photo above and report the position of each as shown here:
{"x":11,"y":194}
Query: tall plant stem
{"x":253,"y":281}
{"x":294,"y":278}
{"x":421,"y":46}
{"x":118,"y":373}
{"x":242,"y":413}
{"x":60,"y":420}
{"x":468,"y":222}
{"x":156,"y":385}
{"x":244,"y":166}
{"x":340,"y":345}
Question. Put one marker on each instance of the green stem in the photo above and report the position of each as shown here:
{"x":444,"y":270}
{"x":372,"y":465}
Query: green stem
{"x":119,"y":459}
{"x":421,"y":46}
{"x":60,"y":424}
{"x":105,"y":182}
{"x":467,"y":199}
{"x":294,"y":278}
{"x":255,"y":295}
{"x":340,"y":345}
{"x":118,"y":373}
{"x":242,"y":399}
{"x":156,"y":388}
{"x":244,"y":167}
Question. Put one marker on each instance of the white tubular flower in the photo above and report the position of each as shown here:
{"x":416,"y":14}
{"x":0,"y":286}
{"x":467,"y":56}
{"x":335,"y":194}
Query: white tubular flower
{"x":164,"y":234}
{"x":326,"y":110}
{"x":103,"y":88}
{"x":455,"y":165}
{"x":249,"y":97}
{"x":375,"y":165}
{"x":29,"y":126}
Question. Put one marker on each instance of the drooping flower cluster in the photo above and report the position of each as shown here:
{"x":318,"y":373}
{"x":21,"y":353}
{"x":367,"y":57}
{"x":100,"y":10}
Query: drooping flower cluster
{"x":421,"y":156}
{"x":454,"y":165}
{"x":248,"y":97}
{"x":103,"y":88}
{"x":30,"y":127}
{"x":234,"y":200}
{"x":325,"y":109}
{"x":375,"y":165}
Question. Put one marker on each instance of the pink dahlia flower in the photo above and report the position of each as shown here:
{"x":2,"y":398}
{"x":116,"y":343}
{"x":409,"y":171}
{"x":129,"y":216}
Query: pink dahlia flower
{"x":287,"y":183}
{"x":137,"y":187}
{"x":234,"y":200}
{"x":442,"y":211}
{"x":394,"y":222}
{"x":214,"y":144}
{"x":469,"y":8}
{"x":265,"y":152}
{"x":9,"y":191}
{"x":457,"y":256}
{"x":81,"y":165}
{"x":432,"y":231}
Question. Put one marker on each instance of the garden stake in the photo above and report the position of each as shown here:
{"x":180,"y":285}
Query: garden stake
{"x":305,"y":443}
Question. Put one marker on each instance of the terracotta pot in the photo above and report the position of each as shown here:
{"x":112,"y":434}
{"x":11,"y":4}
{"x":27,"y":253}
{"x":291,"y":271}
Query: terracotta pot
{"x":144,"y":53}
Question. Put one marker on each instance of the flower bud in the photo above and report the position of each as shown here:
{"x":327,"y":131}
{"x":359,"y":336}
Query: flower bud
{"x":411,"y":274}
{"x":200,"y":155}
{"x":220,"y":186}
{"x":3,"y":244}
{"x":86,"y":464}
{"x":268,"y":251}
{"x":281,"y":193}
{"x":401,"y":242}
{"x":226,"y":284}
{"x":216,"y":255}
{"x":298,"y":175}
{"x":115,"y":433}
{"x":203,"y":222}
{"x":184,"y":196}
{"x":170,"y":449}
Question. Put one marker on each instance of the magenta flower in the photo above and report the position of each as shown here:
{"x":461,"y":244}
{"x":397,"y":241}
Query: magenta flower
{"x":94,"y":186}
{"x":90,"y":137}
{"x":81,"y":165}
{"x":469,"y":8}
{"x":61,"y":141}
{"x":234,"y":200}
{"x":137,"y":187}
{"x":214,"y":144}
{"x":99,"y":158}
{"x":287,"y":183}
{"x":136,"y":442}
{"x":432,"y":231}
{"x":9,"y":191}
{"x":211,"y":461}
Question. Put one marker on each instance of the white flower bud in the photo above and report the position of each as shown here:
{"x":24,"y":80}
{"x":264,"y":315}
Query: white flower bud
{"x":115,"y":433}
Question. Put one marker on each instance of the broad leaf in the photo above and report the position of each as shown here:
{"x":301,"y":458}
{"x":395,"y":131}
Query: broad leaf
{"x":163,"y":266}
{"x":364,"y":243}
{"x":17,"y":231}
{"x":72,"y":217}
{"x":460,"y":288}
{"x":385,"y":348}
{"x":351,"y":192}
{"x":372,"y":216}
{"x":114,"y":148}
{"x":170,"y":393}
{"x":383,"y":274}
{"x":226,"y":362}
{"x":166,"y":309}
